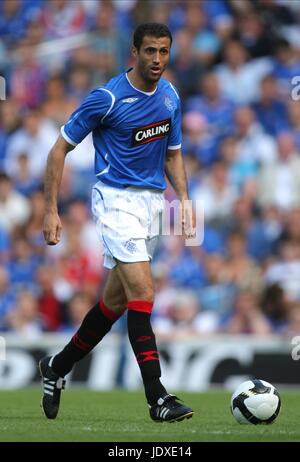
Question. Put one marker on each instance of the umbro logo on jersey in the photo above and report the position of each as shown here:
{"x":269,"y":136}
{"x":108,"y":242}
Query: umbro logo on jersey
{"x":152,"y":132}
{"x":129,"y":100}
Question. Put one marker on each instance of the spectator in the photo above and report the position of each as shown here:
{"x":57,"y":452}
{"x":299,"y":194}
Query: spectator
{"x":217,"y":194}
{"x":13,"y":21}
{"x":198,"y":139}
{"x":218,"y":293}
{"x":78,"y":218}
{"x":219,"y":17}
{"x":286,"y":270}
{"x":247,"y":317}
{"x":291,"y":228}
{"x":242,"y":172}
{"x":9,"y":123}
{"x":213,"y":107}
{"x":286,"y":65}
{"x":187,"y":69}
{"x":270,"y":110}
{"x":51,"y":311}
{"x":254,"y":34}
{"x":293,"y":321}
{"x":7,"y":296}
{"x":32,"y":229}
{"x":205,"y":42}
{"x":57,"y":106}
{"x":27,"y":78}
{"x":24,"y":182}
{"x":261,"y":233}
{"x":279,"y":182}
{"x":79,"y":85}
{"x":294,"y":120}
{"x":23,"y":319}
{"x":165,"y":293}
{"x":14,"y":208}
{"x":276,"y":306}
{"x":73,"y":266}
{"x":108,"y":45}
{"x":241,"y":270}
{"x":193,"y":171}
{"x":23,"y":264}
{"x":185,"y":319}
{"x":240,"y":77}
{"x":185,"y":268}
{"x":4,"y":245}
{"x":253,"y":143}
{"x":78,"y":307}
{"x":36,"y":138}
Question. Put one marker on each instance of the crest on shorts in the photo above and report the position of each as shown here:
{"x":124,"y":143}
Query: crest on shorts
{"x":169,"y":103}
{"x":130,"y":246}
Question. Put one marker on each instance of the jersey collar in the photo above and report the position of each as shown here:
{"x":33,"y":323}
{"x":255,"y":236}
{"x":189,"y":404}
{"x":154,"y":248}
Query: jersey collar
{"x":148,"y":93}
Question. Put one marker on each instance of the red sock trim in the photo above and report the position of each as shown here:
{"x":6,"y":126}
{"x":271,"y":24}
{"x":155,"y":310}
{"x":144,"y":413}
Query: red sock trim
{"x":140,"y":305}
{"x":107,"y":312}
{"x":81,"y":344}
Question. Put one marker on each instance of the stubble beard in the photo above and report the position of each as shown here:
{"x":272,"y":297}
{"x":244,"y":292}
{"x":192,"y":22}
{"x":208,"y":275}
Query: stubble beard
{"x":146,"y":75}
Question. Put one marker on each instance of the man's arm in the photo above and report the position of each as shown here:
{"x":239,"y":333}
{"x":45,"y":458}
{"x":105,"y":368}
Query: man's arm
{"x":176,"y":174}
{"x":53,"y":175}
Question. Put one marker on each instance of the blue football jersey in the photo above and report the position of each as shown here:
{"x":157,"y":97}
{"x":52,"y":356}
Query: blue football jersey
{"x":132,"y":131}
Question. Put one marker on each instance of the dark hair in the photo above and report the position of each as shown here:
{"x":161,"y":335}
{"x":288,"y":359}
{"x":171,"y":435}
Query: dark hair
{"x":4,"y":177}
{"x":153,"y":29}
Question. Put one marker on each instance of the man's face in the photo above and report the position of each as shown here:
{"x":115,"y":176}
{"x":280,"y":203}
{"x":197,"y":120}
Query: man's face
{"x":152,"y":57}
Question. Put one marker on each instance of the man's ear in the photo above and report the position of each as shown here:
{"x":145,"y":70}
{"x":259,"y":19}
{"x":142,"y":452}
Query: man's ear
{"x":134,"y":51}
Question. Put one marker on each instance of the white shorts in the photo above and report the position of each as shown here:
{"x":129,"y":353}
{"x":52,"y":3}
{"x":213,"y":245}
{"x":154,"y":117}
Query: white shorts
{"x":128,"y":222}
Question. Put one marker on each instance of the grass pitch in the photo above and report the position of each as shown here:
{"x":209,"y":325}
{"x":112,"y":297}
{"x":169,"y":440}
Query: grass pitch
{"x":120,"y":416}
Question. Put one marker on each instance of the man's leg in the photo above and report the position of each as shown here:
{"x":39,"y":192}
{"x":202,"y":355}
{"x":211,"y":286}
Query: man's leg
{"x":96,"y":324}
{"x":138,"y":285}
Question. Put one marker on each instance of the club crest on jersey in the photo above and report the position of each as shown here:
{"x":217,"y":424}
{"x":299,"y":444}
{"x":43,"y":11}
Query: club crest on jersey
{"x":152,"y":132}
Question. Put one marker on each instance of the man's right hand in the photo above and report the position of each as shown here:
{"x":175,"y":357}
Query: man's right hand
{"x":52,"y":228}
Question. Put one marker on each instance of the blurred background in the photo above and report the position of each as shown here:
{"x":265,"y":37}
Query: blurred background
{"x":226,"y":309}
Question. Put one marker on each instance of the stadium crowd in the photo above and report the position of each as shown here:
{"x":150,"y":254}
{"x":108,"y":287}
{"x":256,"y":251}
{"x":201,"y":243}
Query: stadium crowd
{"x":236,"y":64}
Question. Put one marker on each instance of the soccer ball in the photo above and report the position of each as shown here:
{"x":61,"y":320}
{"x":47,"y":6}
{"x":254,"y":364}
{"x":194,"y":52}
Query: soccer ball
{"x":255,"y":402}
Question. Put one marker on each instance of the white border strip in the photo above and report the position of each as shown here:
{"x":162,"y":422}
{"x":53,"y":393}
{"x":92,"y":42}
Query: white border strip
{"x":112,"y":102}
{"x":172,"y":86}
{"x":172,"y":148}
{"x":66,"y":137}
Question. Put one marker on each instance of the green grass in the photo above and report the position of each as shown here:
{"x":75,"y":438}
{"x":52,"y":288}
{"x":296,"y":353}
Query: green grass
{"x":123,"y":416}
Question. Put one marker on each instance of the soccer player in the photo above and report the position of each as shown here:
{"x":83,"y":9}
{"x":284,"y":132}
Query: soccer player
{"x":136,"y":126}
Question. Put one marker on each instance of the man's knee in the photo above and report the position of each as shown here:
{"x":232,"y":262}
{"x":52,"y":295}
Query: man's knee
{"x":118,"y":305}
{"x":142,"y":293}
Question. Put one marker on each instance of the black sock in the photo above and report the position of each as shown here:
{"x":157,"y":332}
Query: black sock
{"x":143,"y":343}
{"x":96,"y":324}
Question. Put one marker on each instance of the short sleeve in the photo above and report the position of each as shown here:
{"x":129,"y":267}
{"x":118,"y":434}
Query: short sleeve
{"x":175,"y":137}
{"x":88,"y":116}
